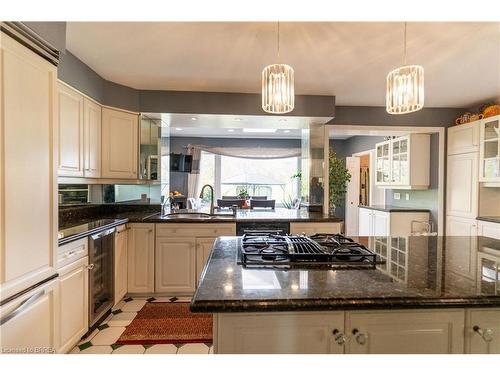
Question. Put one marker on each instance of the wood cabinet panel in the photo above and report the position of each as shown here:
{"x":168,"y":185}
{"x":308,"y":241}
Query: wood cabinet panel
{"x":463,"y":138}
{"x":310,"y":228}
{"x":141,"y":258}
{"x":488,"y":229}
{"x":486,"y":339}
{"x":92,"y":138}
{"x":121,"y":246}
{"x":203,"y":249}
{"x":462,"y":185}
{"x":195,"y":230}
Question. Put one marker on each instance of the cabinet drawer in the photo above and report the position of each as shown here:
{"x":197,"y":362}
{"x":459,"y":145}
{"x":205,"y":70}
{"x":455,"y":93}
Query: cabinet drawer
{"x":317,"y":227}
{"x":72,"y":251}
{"x":195,"y":230}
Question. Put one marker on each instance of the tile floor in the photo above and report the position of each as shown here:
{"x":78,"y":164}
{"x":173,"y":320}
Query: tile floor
{"x":103,"y":339}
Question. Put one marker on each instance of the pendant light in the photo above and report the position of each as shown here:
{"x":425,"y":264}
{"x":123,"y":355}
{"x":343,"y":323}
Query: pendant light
{"x":405,"y":87}
{"x":278,"y":95}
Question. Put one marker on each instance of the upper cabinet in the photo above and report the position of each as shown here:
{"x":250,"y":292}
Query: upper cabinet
{"x":91,"y":138}
{"x":70,"y":155}
{"x":489,"y":150}
{"x":79,"y":147}
{"x":119,"y":144}
{"x":403,"y":162}
{"x":149,"y":148}
{"x":463,"y":138}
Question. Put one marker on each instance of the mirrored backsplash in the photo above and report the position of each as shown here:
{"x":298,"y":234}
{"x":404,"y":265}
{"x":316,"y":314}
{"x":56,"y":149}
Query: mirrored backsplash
{"x":78,"y":194}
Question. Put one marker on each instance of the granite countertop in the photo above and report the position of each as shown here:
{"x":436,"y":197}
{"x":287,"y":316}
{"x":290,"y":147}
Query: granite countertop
{"x":76,"y":232}
{"x":420,"y":272}
{"x":255,"y":215}
{"x":492,"y":219}
{"x":388,"y":208}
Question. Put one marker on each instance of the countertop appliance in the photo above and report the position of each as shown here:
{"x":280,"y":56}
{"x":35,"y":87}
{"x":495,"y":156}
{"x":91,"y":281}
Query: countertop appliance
{"x":295,"y":251}
{"x":101,"y":275}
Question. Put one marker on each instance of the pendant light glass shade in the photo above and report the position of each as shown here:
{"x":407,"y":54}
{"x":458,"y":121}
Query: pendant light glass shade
{"x":278,"y":94}
{"x":405,"y":90}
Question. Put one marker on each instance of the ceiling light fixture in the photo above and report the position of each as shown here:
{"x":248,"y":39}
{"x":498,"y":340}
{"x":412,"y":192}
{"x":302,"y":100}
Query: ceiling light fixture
{"x":230,"y":130}
{"x":278,"y":86}
{"x":286,"y":131}
{"x":178,"y":129}
{"x":249,"y":130}
{"x":238,"y":119}
{"x":194,"y":118}
{"x":405,"y":87}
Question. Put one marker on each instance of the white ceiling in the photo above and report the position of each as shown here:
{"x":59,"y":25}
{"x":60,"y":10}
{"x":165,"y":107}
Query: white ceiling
{"x":349,"y":60}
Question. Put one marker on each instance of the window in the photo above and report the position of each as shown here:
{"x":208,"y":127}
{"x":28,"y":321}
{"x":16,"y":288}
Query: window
{"x":260,"y":177}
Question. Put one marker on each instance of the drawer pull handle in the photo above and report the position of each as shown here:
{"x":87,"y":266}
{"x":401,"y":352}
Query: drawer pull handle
{"x":339,"y":337}
{"x":361,"y":338}
{"x":23,"y":306}
{"x":486,"y":334}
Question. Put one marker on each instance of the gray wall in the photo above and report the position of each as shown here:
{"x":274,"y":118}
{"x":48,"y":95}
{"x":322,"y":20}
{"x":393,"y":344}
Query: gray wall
{"x":52,"y":32}
{"x":178,"y":180}
{"x":418,"y":198}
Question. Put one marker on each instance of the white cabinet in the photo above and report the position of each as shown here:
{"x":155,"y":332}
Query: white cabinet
{"x":403,"y":162}
{"x":203,"y":249}
{"x":70,"y":142}
{"x":482,"y":331}
{"x":460,"y":226}
{"x":121,"y":246}
{"x":309,"y":228}
{"x":119,"y":144}
{"x":279,"y":333}
{"x":30,"y":323}
{"x":91,"y":138}
{"x":405,"y":332}
{"x":73,"y":306}
{"x":488,"y":229}
{"x":141,"y":258}
{"x":28,"y":167}
{"x":381,"y":223}
{"x":175,"y":265}
{"x":462,"y":185}
{"x":463,"y":138}
{"x":489,"y":150}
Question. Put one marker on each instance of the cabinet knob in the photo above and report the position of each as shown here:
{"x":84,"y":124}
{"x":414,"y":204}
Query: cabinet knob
{"x":361,"y":338}
{"x":91,"y":266}
{"x":486,"y":334}
{"x":339,"y":337}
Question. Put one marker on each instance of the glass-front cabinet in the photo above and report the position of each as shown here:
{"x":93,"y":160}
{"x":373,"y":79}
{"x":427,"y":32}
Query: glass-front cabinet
{"x":149,"y":161}
{"x":489,"y":151}
{"x":398,"y":167}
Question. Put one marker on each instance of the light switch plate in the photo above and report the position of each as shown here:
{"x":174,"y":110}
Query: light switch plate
{"x":407,"y":196}
{"x":397,"y":195}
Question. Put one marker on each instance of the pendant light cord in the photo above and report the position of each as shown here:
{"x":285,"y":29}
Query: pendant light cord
{"x":404,"y":53}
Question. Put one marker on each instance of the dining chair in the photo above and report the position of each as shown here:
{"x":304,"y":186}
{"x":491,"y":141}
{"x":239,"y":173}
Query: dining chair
{"x":268,"y":203}
{"x":230,"y":203}
{"x":259,"y":197}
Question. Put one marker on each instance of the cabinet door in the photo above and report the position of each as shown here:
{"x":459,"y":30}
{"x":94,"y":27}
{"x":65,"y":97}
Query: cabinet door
{"x":313,"y":228}
{"x":31,"y":322}
{"x":400,"y":168}
{"x":489,"y":151}
{"x":203,"y":249}
{"x":175,"y":265}
{"x":463,"y":138}
{"x":458,"y":226}
{"x":365,"y":222}
{"x":74,"y":303}
{"x":482,"y":331}
{"x":383,"y":163}
{"x":141,"y":262}
{"x":121,"y":238}
{"x":279,"y":333}
{"x":488,"y":229}
{"x":28,"y":168}
{"x":70,"y":143}
{"x":119,"y":144}
{"x":462,"y":185}
{"x":405,"y":332}
{"x":92,"y":138}
{"x":380,"y":223}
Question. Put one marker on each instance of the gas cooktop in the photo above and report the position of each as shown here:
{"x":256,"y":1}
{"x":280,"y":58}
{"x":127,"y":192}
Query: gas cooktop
{"x":298,"y":251}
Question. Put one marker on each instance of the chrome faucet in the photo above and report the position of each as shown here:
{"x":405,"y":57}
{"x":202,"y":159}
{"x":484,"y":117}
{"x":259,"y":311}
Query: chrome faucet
{"x":212,"y":206}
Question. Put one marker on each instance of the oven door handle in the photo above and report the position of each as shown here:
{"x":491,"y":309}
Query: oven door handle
{"x":102,"y":234}
{"x":23,"y":306}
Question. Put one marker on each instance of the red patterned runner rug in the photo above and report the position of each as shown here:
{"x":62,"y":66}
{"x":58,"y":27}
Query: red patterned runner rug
{"x":168,"y":323}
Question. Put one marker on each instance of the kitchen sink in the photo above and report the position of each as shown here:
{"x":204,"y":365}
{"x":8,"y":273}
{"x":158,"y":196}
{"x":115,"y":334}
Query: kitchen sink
{"x":196,"y":216}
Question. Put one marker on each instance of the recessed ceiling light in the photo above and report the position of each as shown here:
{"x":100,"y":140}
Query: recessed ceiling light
{"x":286,"y":131}
{"x":230,"y":130}
{"x":194,"y":118}
{"x":238,"y":119}
{"x":247,"y":130}
{"x":179,"y":129}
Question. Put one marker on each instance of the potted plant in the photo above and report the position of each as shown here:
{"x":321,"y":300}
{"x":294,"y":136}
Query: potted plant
{"x":339,"y":176}
{"x":243,"y":194}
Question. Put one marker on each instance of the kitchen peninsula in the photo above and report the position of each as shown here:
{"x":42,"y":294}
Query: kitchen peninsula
{"x":426,"y":295}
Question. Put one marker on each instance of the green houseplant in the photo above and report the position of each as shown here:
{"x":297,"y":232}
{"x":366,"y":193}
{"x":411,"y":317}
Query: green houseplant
{"x":339,"y":176}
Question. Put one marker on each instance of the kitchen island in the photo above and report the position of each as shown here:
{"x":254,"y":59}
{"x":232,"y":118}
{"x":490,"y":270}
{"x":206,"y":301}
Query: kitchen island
{"x":430,"y":295}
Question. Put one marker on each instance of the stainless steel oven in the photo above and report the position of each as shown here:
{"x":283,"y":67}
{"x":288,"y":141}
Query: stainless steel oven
{"x":101,"y":276}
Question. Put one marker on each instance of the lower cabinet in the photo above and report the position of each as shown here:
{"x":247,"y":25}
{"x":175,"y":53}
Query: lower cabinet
{"x":141,"y":258}
{"x":175,"y":265}
{"x":121,"y":246}
{"x":381,"y":223}
{"x":280,"y":333}
{"x":488,"y":229}
{"x":460,"y":226}
{"x":482,"y":331}
{"x":203,"y":249}
{"x":30,"y":323}
{"x":309,"y":228}
{"x":74,"y":303}
{"x":405,"y":332}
